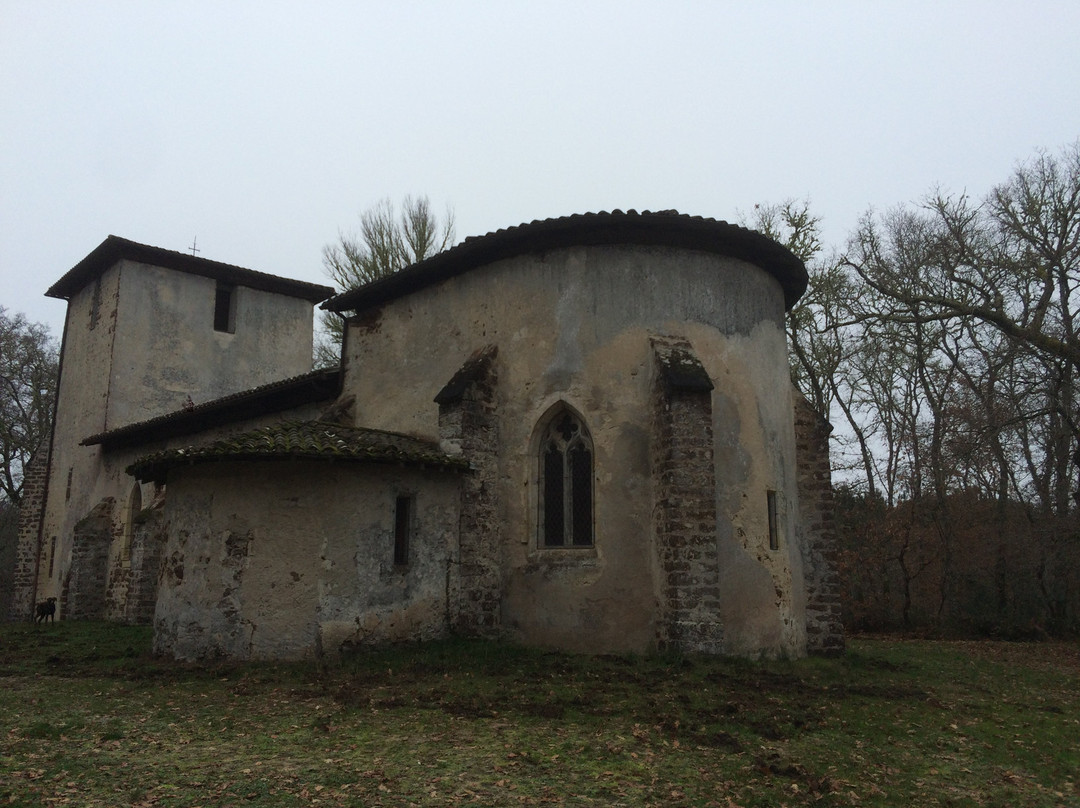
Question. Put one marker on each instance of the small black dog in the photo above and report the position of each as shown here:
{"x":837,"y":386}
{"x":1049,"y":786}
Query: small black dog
{"x":46,"y":610}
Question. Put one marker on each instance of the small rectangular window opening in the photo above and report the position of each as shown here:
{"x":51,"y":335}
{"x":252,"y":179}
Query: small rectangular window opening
{"x":95,"y":304}
{"x":774,"y":525}
{"x":403,"y":509}
{"x":52,"y":555}
{"x":225,"y":308}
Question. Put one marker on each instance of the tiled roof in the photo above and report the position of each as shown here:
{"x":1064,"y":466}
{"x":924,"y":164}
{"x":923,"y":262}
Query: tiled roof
{"x":319,"y":385}
{"x":664,"y":228}
{"x":303,"y":440}
{"x":114,"y":249}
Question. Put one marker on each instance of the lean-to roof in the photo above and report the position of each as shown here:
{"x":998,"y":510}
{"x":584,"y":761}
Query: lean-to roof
{"x":319,"y":385}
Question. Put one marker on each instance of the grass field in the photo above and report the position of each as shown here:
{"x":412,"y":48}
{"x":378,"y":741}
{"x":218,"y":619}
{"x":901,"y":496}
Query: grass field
{"x":89,"y":718}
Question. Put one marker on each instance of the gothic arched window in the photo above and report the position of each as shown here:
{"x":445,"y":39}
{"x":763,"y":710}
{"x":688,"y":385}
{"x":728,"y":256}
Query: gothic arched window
{"x":566,"y":489}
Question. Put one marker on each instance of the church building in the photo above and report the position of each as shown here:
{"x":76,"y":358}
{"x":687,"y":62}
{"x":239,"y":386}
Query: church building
{"x":577,"y":433}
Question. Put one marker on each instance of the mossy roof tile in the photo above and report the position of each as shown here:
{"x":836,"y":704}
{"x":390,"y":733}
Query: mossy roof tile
{"x":308,"y":388}
{"x":302,"y":440}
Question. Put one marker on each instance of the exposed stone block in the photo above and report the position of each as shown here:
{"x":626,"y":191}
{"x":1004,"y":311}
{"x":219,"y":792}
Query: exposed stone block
{"x":824,"y":630}
{"x":684,"y":508}
{"x":28,"y":550}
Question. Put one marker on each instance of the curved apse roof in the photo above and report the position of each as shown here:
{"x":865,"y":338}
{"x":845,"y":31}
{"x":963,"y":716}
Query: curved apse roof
{"x":303,"y":440}
{"x":664,"y":228}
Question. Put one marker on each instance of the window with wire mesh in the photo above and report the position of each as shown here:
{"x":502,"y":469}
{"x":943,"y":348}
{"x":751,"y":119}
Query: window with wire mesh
{"x":566,"y":484}
{"x":403,"y":513}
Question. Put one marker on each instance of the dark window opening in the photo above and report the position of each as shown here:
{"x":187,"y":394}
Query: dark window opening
{"x":774,"y":526}
{"x":403,"y":508}
{"x":581,"y":489}
{"x":95,"y":304}
{"x":52,"y":555}
{"x":225,"y":308}
{"x":67,"y":493}
{"x":566,"y":484}
{"x":553,"y":496}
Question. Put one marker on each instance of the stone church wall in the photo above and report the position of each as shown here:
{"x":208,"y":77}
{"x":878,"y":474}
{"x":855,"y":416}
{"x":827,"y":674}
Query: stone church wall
{"x":572,"y":328}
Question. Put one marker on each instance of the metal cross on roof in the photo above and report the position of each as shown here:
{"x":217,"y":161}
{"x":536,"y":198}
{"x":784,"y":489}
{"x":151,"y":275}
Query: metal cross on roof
{"x":193,"y":248}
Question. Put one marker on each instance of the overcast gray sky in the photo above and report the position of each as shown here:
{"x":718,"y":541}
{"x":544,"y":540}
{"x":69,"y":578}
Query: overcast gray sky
{"x":264,"y":128}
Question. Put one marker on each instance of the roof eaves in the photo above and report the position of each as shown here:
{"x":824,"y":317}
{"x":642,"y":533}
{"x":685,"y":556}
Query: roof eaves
{"x":319,"y":385}
{"x":114,"y":249}
{"x":306,"y":440}
{"x":664,"y":228}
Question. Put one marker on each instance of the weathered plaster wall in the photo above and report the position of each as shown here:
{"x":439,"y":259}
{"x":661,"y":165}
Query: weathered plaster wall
{"x":762,"y":596}
{"x":75,"y":483}
{"x":167,"y":348}
{"x":573,"y":326}
{"x":298,"y":558}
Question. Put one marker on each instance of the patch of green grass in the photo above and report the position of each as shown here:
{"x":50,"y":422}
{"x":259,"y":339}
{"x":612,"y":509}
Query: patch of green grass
{"x":91,"y":718}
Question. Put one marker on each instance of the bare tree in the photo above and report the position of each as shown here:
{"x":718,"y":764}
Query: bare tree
{"x":1010,"y":265}
{"x":387,"y":243}
{"x":946,"y":341}
{"x":826,"y":333}
{"x":28,"y":368}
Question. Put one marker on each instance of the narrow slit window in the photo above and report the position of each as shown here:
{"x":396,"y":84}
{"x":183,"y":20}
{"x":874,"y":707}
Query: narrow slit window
{"x":403,"y":509}
{"x":774,"y":523}
{"x":225,"y":308}
{"x":95,"y":304}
